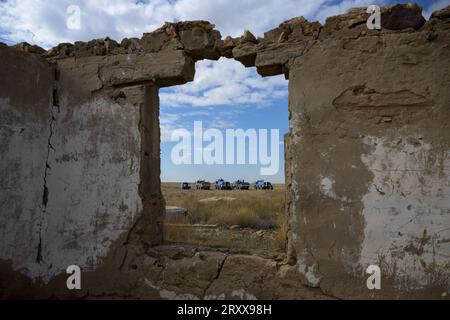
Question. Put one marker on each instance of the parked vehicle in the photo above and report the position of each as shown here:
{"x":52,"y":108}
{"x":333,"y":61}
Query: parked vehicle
{"x":263,"y":185}
{"x":219,"y":183}
{"x":258,"y":184}
{"x":241,"y":185}
{"x":227,"y":186}
{"x":223,"y":185}
{"x":267,"y":186}
{"x":185,"y":186}
{"x":203,"y":185}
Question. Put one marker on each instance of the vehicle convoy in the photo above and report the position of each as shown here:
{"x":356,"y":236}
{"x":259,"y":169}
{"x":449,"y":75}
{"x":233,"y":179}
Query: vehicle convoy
{"x":223,"y":185}
{"x":203,"y":185}
{"x":241,"y":185}
{"x":263,"y":185}
{"x":185,"y":186}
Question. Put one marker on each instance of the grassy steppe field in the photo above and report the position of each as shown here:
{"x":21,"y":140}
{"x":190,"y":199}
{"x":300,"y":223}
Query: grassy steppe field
{"x":252,"y":219}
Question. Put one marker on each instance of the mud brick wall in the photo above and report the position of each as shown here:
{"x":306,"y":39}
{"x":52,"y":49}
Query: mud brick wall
{"x":370,"y":165}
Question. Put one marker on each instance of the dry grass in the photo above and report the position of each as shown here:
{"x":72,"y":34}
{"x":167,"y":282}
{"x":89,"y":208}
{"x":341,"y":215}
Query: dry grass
{"x":253,"y":209}
{"x":256,"y":212}
{"x":281,"y":238}
{"x":185,"y":235}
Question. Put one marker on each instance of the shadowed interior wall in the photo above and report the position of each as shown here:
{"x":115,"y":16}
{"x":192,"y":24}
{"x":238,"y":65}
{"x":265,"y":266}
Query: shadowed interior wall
{"x":26,"y":100}
{"x":72,"y":163}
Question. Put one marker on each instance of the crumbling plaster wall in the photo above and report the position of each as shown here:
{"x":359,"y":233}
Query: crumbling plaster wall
{"x":371,"y":159}
{"x":92,"y":182}
{"x":25,"y":127}
{"x":72,"y":165}
{"x":367,"y":160}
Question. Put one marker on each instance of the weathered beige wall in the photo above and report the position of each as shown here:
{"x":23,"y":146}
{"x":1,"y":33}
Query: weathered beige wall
{"x":370,"y":163}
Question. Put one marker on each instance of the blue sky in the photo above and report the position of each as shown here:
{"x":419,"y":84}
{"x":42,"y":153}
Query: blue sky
{"x":223,"y":95}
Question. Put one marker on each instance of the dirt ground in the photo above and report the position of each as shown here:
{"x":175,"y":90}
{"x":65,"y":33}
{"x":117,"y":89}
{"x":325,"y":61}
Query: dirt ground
{"x":244,"y":219}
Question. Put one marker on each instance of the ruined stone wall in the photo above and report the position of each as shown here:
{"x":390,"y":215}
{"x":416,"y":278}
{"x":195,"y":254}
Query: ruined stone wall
{"x":370,"y":161}
{"x":81,"y":162}
{"x":367,"y":162}
{"x":26,"y":106}
{"x":72,"y":160}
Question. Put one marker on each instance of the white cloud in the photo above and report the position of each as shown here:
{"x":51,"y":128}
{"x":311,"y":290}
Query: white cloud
{"x":168,"y":123}
{"x":43,"y":22}
{"x":225,"y":82}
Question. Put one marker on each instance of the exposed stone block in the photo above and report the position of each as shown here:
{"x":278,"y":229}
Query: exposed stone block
{"x":401,"y":17}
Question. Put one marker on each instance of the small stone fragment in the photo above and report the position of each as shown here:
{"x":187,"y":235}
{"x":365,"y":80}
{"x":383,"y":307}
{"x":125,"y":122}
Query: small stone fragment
{"x":249,"y":37}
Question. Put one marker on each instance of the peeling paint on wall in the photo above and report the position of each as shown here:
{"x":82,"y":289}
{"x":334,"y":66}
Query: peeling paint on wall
{"x":93,"y":183}
{"x":326,"y":187}
{"x":407,"y":212}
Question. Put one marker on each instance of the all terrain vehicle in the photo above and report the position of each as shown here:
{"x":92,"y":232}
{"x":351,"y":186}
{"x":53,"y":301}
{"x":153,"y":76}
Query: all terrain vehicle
{"x":241,"y":185}
{"x":263,"y":185}
{"x":223,"y":185}
{"x":185,"y":186}
{"x":203,"y":185}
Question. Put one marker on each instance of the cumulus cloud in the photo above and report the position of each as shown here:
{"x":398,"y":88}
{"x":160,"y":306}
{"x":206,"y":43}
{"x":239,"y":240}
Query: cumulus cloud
{"x":225,"y":82}
{"x":168,"y":123}
{"x":43,"y":22}
{"x":220,"y":91}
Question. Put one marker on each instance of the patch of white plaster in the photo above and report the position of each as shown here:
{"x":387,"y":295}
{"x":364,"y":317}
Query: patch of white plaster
{"x":93,"y":196}
{"x":309,"y":271}
{"x":407,"y":212}
{"x":326,"y":187}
